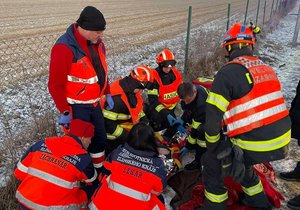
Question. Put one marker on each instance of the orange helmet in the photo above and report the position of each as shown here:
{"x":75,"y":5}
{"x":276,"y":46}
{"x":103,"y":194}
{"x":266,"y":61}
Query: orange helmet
{"x":238,"y":33}
{"x":166,"y":58}
{"x":142,"y":73}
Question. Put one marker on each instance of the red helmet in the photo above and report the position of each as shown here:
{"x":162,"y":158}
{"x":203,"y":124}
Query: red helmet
{"x":142,"y":73}
{"x":239,"y":33}
{"x":166,"y":57}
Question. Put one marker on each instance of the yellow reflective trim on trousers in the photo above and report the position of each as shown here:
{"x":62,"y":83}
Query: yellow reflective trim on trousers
{"x":212,"y":139}
{"x":159,"y":107}
{"x":115,"y":134}
{"x":201,"y":143}
{"x":216,"y":198}
{"x":195,"y":124}
{"x":217,"y":100}
{"x":191,"y":140}
{"x":115,"y":116}
{"x":251,"y":191}
{"x":263,"y":145}
{"x":153,"y":92}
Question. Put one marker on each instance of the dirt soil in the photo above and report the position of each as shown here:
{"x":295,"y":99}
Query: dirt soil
{"x":130,"y":23}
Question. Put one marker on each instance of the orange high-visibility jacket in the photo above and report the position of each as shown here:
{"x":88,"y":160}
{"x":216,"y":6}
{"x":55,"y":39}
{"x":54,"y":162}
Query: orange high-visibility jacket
{"x":116,"y":89}
{"x":51,"y":172}
{"x":263,"y":105}
{"x":168,"y":93}
{"x":134,"y":183}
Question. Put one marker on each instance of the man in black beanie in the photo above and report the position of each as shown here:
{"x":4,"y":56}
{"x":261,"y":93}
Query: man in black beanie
{"x":78,"y":77}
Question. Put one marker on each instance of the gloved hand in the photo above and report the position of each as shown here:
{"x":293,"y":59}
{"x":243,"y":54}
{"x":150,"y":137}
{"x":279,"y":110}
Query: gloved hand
{"x":64,"y":119}
{"x":173,"y":121}
{"x":181,"y":129}
{"x":255,"y":29}
{"x":183,"y":151}
{"x":232,"y":163}
{"x":110,"y":102}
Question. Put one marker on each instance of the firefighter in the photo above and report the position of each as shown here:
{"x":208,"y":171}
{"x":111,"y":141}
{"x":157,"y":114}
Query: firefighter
{"x":193,"y":104}
{"x":128,"y":105}
{"x":163,"y":97}
{"x":136,"y":174}
{"x":51,"y":171}
{"x":246,"y":98}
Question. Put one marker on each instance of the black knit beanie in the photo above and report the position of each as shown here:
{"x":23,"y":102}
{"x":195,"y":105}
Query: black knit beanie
{"x":91,"y":19}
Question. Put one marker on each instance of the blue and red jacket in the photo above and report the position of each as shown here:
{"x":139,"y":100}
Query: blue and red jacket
{"x":137,"y":178}
{"x":51,"y":171}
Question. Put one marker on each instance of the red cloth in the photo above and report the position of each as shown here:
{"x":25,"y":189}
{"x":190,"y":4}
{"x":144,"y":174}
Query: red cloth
{"x":81,"y":128}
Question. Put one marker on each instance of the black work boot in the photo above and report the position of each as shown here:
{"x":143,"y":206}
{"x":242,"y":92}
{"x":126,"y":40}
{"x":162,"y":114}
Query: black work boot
{"x":193,"y":165}
{"x":294,"y":203}
{"x":290,"y":176}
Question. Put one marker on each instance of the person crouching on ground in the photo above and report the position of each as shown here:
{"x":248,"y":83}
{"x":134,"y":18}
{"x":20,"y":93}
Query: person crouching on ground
{"x":137,"y":175}
{"x":51,"y":171}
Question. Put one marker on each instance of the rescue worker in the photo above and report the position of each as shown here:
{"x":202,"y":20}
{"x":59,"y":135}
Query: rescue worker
{"x":51,"y":171}
{"x":245,"y":98}
{"x":294,"y":175}
{"x":193,"y":104}
{"x":78,"y":77}
{"x":128,"y":105}
{"x":163,"y":97}
{"x":137,"y":175}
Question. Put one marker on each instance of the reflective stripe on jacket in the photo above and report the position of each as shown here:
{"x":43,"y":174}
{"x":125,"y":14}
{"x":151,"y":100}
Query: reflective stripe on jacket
{"x":82,"y":86}
{"x":56,"y":178}
{"x":263,"y":105}
{"x":134,"y":182}
{"x":168,"y":96}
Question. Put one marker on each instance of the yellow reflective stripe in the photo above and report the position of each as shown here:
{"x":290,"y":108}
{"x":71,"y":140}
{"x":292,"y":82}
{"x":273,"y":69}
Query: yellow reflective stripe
{"x":159,"y":107}
{"x":153,"y":92}
{"x":217,"y":100}
{"x":126,"y":126}
{"x":52,"y":179}
{"x":169,"y":106}
{"x":91,"y":80}
{"x":212,"y":139}
{"x":195,"y":124}
{"x":249,"y":78}
{"x":254,"y":189}
{"x":191,"y":140}
{"x":33,"y":205}
{"x":74,"y":101}
{"x":122,"y":189}
{"x":201,"y":143}
{"x":254,"y":103}
{"x":21,"y":167}
{"x":141,"y":114}
{"x":263,"y":145}
{"x":216,"y":198}
{"x":115,"y":134}
{"x":115,"y":116}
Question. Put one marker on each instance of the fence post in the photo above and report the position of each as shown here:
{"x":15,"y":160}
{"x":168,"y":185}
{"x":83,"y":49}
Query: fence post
{"x":276,"y":5}
{"x":295,"y":37}
{"x":264,"y":12}
{"x":272,"y":9}
{"x":258,"y":5}
{"x":246,"y":12}
{"x":228,"y":17}
{"x":187,"y":38}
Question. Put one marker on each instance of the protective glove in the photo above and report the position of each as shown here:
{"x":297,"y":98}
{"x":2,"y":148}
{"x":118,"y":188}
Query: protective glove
{"x":181,"y":129}
{"x":173,"y":121}
{"x":255,"y":29}
{"x":64,"y":119}
{"x":183,"y":151}
{"x":110,"y":102}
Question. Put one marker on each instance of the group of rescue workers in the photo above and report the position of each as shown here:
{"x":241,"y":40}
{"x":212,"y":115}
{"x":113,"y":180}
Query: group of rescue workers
{"x":109,"y":156}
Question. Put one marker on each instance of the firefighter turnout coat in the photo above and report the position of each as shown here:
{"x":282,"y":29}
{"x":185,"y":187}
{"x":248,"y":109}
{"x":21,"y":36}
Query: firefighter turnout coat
{"x":50,"y":173}
{"x":136,"y":179}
